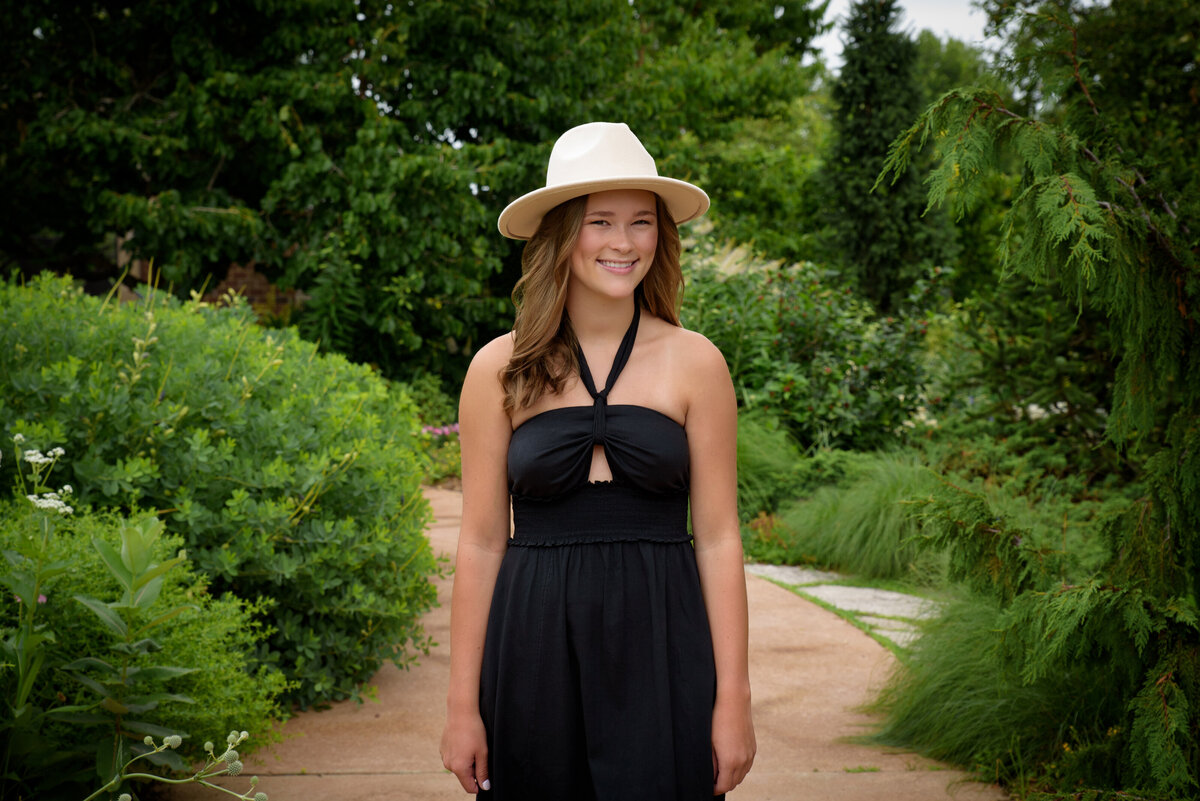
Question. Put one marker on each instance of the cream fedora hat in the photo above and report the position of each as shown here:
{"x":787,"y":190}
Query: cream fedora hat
{"x":596,"y":157}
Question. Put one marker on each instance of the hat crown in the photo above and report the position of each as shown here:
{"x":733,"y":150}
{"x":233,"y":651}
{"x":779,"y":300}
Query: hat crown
{"x":596,"y":151}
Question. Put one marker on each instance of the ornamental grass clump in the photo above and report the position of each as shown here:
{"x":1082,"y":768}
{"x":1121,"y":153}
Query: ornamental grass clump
{"x":291,"y":475}
{"x":867,"y":526}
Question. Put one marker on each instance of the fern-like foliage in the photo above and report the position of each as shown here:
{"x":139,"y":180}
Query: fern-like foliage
{"x":986,"y":551}
{"x":1107,"y":210}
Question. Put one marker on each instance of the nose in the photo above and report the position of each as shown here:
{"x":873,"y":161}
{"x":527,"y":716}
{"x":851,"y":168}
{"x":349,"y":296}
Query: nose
{"x":622,"y":240}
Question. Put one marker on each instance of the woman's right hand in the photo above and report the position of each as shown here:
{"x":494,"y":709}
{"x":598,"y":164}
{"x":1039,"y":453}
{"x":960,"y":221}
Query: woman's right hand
{"x":464,"y":751}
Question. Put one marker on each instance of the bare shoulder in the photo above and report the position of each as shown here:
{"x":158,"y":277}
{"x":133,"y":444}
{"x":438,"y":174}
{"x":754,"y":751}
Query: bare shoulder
{"x":482,"y":390}
{"x":484,"y":370}
{"x":493,"y":356}
{"x":697,"y":354}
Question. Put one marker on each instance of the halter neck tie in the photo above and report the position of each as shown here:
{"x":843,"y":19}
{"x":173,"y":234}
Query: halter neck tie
{"x":600,"y":405}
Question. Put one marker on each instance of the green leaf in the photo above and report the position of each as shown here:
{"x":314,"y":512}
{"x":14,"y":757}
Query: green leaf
{"x":71,"y":714}
{"x":145,"y":596}
{"x":106,"y":615}
{"x":154,"y":572}
{"x":111,"y":754}
{"x":113,"y":561}
{"x":156,"y":672}
{"x":165,"y":616}
{"x":144,"y":703}
{"x":142,"y":727}
{"x":137,"y":543}
{"x":21,"y":585}
{"x":168,"y":759}
{"x":115,"y":706}
{"x":93,"y":685}
{"x":139,"y":648}
{"x":92,"y":662}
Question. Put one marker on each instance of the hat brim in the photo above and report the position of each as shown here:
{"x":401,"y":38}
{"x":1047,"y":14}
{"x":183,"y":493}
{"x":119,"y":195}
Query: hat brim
{"x":521,"y":218}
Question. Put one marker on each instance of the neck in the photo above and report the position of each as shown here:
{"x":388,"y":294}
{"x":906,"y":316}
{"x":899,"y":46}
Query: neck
{"x":600,"y":320}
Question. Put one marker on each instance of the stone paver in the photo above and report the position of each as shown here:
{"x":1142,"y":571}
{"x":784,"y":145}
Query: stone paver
{"x":870,"y":601}
{"x":791,"y":574}
{"x":811,"y":672}
{"x":872,"y":609}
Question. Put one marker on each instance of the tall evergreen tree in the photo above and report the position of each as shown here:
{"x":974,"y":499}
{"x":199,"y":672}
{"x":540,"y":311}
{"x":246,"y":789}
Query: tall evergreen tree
{"x":1106,"y":208}
{"x":878,"y":236}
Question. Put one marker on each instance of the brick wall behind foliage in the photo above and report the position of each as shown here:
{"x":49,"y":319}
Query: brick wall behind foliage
{"x":267,"y":299}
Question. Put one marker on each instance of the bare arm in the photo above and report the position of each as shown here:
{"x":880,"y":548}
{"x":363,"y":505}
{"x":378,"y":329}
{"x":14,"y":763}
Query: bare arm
{"x":484,"y":432}
{"x":712,"y":441}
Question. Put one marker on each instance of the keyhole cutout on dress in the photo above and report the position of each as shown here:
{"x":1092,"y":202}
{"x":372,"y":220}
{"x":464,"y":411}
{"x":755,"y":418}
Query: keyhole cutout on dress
{"x":600,"y":470}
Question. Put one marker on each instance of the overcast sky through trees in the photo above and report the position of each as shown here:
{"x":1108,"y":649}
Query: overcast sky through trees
{"x":958,"y":19}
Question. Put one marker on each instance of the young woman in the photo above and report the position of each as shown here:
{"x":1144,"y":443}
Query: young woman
{"x":600,"y":651}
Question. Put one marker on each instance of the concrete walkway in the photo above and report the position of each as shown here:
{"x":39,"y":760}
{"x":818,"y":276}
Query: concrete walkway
{"x":809,"y":669}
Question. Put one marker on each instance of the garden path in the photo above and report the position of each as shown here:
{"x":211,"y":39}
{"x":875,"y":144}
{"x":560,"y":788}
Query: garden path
{"x":810,"y":669}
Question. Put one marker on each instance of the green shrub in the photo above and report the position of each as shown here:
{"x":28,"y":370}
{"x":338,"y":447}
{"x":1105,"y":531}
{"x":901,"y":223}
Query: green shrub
{"x":866,"y":526}
{"x":290,"y":475}
{"x":801,"y":346}
{"x":184,"y":665}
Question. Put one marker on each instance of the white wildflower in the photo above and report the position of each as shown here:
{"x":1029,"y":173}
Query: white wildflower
{"x":57,"y":453}
{"x":67,"y":490}
{"x":51,"y":501}
{"x":18,"y":438}
{"x":37,"y":457}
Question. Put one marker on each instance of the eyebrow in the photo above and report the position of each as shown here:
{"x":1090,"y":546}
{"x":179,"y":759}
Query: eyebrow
{"x":603,"y":213}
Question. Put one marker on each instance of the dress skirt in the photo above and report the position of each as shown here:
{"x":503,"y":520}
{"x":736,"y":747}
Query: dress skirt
{"x":598,"y":677}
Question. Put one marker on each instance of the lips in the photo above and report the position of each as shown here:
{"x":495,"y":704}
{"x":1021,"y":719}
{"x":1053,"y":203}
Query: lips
{"x":619,"y":267}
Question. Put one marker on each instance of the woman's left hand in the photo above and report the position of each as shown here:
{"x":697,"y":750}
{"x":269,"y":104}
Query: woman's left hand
{"x":733,"y":744}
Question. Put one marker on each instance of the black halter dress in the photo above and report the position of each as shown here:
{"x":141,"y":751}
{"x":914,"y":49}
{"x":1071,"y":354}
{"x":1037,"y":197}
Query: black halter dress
{"x":598,"y":678}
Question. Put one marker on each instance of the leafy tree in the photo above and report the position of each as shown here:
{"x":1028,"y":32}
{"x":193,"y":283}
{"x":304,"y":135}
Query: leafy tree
{"x":878,"y":236}
{"x":1108,"y":208}
{"x":360,"y":152}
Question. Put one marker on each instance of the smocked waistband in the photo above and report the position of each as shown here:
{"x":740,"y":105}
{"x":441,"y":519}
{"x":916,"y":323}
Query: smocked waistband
{"x":602,"y":512}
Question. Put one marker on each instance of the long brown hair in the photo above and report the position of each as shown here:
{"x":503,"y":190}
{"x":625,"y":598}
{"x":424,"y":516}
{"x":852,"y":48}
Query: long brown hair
{"x":543,"y":341}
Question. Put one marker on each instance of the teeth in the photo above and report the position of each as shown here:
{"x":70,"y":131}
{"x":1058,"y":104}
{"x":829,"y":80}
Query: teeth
{"x":616,"y":264}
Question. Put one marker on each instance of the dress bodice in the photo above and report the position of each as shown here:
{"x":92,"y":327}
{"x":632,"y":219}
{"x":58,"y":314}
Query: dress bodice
{"x":550,"y":454}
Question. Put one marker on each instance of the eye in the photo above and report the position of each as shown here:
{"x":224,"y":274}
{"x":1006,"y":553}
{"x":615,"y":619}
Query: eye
{"x":598,"y":222}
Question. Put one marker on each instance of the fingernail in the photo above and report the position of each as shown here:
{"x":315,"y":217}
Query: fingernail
{"x":487,"y":784}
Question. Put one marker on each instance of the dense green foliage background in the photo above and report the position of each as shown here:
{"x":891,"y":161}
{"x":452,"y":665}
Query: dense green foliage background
{"x":361,"y":153}
{"x":992,"y":399}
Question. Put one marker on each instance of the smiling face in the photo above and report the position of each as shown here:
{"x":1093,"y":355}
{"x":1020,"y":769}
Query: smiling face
{"x":616,"y":244}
